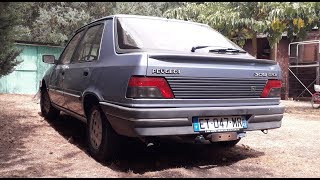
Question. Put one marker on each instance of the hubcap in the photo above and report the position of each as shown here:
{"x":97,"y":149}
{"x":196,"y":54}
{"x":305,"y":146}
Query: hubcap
{"x":95,"y":129}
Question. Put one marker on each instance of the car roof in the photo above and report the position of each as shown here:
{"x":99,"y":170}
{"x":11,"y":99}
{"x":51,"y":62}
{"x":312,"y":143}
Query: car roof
{"x":141,"y":17}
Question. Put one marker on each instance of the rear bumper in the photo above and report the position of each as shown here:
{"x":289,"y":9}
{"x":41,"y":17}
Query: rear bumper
{"x":135,"y":122}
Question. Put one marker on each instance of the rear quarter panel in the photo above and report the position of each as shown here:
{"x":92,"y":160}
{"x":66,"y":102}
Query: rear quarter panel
{"x":112,"y":71}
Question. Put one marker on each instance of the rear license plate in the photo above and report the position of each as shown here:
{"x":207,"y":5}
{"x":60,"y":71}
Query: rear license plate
{"x":219,"y":123}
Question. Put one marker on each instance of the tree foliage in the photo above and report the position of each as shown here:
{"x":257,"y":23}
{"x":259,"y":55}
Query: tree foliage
{"x":54,"y":22}
{"x":141,"y":8}
{"x":9,"y":17}
{"x":295,"y":18}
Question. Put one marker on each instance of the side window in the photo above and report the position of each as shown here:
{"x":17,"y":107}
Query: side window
{"x":68,"y":52}
{"x":89,"y":46}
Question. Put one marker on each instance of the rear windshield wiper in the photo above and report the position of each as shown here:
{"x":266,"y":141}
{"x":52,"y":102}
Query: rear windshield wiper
{"x":227,"y":50}
{"x":194,"y":48}
{"x":220,"y":50}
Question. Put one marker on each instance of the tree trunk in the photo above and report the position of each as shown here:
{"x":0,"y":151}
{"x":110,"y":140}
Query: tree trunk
{"x":273,"y":54}
{"x":254,"y":44}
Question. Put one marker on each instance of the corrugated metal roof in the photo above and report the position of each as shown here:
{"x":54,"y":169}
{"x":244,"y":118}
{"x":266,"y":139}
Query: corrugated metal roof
{"x":34,"y":43}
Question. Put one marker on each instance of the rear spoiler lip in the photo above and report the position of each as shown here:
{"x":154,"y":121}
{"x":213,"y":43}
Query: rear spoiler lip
{"x":186,"y":57}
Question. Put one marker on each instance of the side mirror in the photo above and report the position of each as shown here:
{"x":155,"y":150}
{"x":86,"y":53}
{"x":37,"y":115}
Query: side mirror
{"x":50,"y":59}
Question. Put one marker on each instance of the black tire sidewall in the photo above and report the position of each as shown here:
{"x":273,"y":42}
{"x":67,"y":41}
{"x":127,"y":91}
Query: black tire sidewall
{"x":52,"y":113}
{"x":43,"y":112}
{"x":41,"y":103}
{"x":314,"y":105}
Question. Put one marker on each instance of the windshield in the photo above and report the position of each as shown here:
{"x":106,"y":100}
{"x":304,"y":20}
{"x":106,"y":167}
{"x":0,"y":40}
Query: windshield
{"x":159,"y":34}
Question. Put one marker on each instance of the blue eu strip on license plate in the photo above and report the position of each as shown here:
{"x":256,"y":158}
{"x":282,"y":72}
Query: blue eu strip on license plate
{"x":219,"y":123}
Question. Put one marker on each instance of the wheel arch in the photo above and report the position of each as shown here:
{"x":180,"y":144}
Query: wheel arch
{"x":42,"y":84}
{"x":89,"y":99}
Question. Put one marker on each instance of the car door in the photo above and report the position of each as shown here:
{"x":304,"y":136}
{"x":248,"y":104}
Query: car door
{"x":78,"y":73}
{"x":56,"y":85}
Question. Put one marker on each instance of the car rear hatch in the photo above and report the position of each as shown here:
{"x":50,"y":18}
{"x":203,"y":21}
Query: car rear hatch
{"x":208,"y":79}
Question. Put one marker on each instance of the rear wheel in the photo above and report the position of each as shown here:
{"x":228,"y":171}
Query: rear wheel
{"x":102,"y":140}
{"x":47,"y":110}
{"x":315,"y":101}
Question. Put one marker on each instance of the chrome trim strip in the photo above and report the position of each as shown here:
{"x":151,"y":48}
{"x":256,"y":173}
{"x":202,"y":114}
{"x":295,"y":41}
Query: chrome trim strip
{"x":77,"y":96}
{"x":63,"y":92}
{"x":59,"y":91}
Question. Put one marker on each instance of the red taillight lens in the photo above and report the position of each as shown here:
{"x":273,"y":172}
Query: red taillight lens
{"x":148,"y":87}
{"x":272,"y":88}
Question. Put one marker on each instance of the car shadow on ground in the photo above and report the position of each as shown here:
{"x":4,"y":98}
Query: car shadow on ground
{"x":138,"y":158}
{"x":71,"y":129}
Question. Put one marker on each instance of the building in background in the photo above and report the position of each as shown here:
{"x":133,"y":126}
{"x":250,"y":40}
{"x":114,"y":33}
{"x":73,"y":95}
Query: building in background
{"x":26,"y":76}
{"x":308,"y":54}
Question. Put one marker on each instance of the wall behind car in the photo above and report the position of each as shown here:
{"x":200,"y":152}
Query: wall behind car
{"x":26,"y":76}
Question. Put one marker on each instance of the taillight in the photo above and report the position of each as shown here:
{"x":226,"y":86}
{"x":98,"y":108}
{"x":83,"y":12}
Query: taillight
{"x":148,"y":87}
{"x":271,"y":89}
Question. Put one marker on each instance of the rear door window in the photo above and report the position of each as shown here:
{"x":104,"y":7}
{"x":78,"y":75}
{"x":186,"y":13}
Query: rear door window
{"x":89,"y":46}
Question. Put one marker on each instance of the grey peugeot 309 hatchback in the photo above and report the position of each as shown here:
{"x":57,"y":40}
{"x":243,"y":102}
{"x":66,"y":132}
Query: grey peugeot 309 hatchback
{"x":153,"y":78}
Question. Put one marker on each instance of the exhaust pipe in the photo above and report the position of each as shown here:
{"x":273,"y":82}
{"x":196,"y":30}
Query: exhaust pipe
{"x":150,"y":141}
{"x":200,"y":139}
{"x":265,"y":131}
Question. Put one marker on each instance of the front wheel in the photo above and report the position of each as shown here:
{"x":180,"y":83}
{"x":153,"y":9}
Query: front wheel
{"x":47,"y":110}
{"x":102,"y":140}
{"x":315,"y":101}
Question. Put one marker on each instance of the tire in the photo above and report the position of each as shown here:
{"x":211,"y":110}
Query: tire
{"x":227,"y":144}
{"x":102,"y":140}
{"x":47,"y":110}
{"x":314,"y":98}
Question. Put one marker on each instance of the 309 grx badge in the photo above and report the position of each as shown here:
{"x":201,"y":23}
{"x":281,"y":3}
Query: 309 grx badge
{"x":265,"y":74}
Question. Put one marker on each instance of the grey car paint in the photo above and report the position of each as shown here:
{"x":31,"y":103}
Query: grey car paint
{"x":107,"y":79}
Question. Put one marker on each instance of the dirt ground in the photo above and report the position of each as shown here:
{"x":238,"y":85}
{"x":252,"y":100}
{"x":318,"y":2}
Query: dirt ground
{"x":32,"y":147}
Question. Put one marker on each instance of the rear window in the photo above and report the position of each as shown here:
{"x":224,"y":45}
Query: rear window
{"x":161,"y":34}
